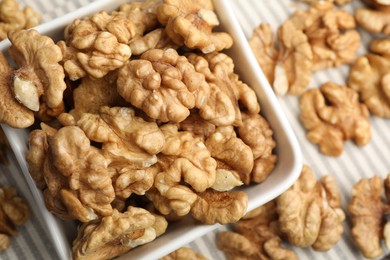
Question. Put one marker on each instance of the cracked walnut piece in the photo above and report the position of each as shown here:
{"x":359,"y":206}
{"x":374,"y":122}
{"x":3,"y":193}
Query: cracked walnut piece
{"x":370,"y":215}
{"x":191,"y":23}
{"x":262,"y":44}
{"x":374,"y":21}
{"x":331,"y":33}
{"x":225,"y":207}
{"x":260,"y":227}
{"x":310,"y":212}
{"x":163,"y":84}
{"x":295,"y":60}
{"x":13,"y":211}
{"x":184,"y":253}
{"x":369,"y":76}
{"x":257,"y":134}
{"x":12,"y":112}
{"x":333,"y":114}
{"x":12,"y":18}
{"x":39,"y":73}
{"x":116,"y":234}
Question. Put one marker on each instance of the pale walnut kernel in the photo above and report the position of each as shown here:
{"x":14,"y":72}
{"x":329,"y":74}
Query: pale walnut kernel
{"x":184,"y":253}
{"x":294,"y":66}
{"x":370,"y":78}
{"x":39,"y":73}
{"x":114,"y":235}
{"x":219,"y":207}
{"x":13,"y":18}
{"x":179,"y":165}
{"x":5,"y":241}
{"x":375,"y":21}
{"x":368,"y":212}
{"x":333,"y":114}
{"x":162,"y":83}
{"x":12,"y":112}
{"x":310,"y":213}
{"x":224,"y":145}
{"x":97,"y":45}
{"x":156,"y":39}
{"x":331,"y":34}
{"x":263,"y":46}
{"x":257,"y":134}
{"x":191,"y":24}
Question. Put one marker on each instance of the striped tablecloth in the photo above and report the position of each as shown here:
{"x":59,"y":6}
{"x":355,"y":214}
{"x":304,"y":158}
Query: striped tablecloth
{"x":355,"y":163}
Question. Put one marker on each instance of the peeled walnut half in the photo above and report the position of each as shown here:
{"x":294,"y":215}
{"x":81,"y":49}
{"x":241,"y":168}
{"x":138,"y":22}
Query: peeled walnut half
{"x":260,"y":227}
{"x":191,"y":23}
{"x":333,"y":114}
{"x":295,"y":61}
{"x":13,"y":211}
{"x":369,"y":76}
{"x":161,"y":83}
{"x":310,"y":212}
{"x":116,"y":234}
{"x":262,"y":44}
{"x":331,"y":33}
{"x":39,"y":73}
{"x":184,"y":253}
{"x":13,"y":18}
{"x":375,"y":20}
{"x":369,"y":214}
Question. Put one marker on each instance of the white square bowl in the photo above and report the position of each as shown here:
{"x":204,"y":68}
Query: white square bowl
{"x":178,"y":234}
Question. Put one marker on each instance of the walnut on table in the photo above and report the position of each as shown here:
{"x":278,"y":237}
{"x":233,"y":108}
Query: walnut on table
{"x":191,"y":23}
{"x":369,"y":213}
{"x":14,"y":211}
{"x":376,"y":20}
{"x":333,"y":114}
{"x":13,"y":18}
{"x":370,"y":77}
{"x":310,"y":212}
{"x":331,"y":33}
{"x":255,"y":236}
{"x":184,"y":253}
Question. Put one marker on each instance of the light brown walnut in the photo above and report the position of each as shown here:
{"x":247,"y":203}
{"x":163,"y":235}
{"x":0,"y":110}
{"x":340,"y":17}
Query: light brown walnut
{"x":184,"y":158}
{"x":197,"y":125}
{"x":14,"y":211}
{"x":115,"y":234}
{"x":163,"y":84}
{"x":332,"y":114}
{"x":213,"y":206}
{"x":375,"y":21}
{"x":184,"y":253}
{"x":156,"y":39}
{"x":225,"y":146}
{"x":13,"y":18}
{"x":331,"y":33}
{"x":295,"y":61}
{"x":39,"y":73}
{"x":12,"y":112}
{"x":310,"y":213}
{"x":257,"y":134}
{"x":260,"y":227}
{"x":96,"y":45}
{"x":191,"y":24}
{"x":262,"y":44}
{"x":370,"y":78}
{"x":369,"y":215}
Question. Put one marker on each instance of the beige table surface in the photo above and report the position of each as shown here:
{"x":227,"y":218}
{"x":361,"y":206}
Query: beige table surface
{"x":32,"y":241}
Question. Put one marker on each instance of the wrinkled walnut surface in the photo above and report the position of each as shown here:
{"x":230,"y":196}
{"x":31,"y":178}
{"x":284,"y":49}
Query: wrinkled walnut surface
{"x":184,"y":253}
{"x":310,"y":212}
{"x":333,"y":114}
{"x":368,"y":212}
{"x":370,"y":78}
{"x":375,"y":21}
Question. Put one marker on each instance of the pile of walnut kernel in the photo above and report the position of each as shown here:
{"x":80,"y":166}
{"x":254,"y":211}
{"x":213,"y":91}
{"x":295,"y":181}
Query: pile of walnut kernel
{"x":14,"y":211}
{"x":142,"y":121}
